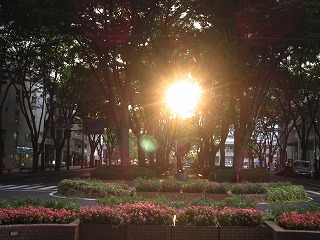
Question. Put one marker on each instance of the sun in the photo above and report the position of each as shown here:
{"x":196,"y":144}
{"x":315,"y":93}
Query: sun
{"x":183,"y":97}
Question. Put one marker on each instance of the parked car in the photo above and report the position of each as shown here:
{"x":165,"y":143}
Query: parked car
{"x":302,"y":168}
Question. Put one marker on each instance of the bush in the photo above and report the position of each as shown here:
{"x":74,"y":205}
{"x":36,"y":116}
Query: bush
{"x":254,"y":175}
{"x":136,"y":214}
{"x":236,"y":202}
{"x":199,"y":186}
{"x":117,"y":172}
{"x":194,"y":186}
{"x":206,"y":171}
{"x":31,"y":214}
{"x":197,"y":215}
{"x":147,"y":185}
{"x":162,"y":214}
{"x":240,"y":217}
{"x":171,"y":185}
{"x":159,"y":170}
{"x":279,"y":184}
{"x":223,"y":175}
{"x":300,"y":221}
{"x":291,"y":193}
{"x":89,"y":188}
{"x":214,"y":187}
{"x":103,"y":215}
{"x":36,"y":202}
{"x":249,"y":188}
{"x":115,"y":200}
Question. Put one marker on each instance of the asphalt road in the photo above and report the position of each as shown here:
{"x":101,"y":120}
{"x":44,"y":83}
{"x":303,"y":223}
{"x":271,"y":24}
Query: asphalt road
{"x":40,"y":185}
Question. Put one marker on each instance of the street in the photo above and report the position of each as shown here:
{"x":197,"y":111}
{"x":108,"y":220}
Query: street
{"x":40,"y":185}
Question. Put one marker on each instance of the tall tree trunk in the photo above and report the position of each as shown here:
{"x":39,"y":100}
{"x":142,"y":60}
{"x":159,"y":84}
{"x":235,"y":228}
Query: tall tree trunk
{"x":35,"y":166}
{"x":124,"y":144}
{"x":222,"y":155}
{"x":58,"y":159}
{"x":110,"y":151}
{"x":141,"y":153}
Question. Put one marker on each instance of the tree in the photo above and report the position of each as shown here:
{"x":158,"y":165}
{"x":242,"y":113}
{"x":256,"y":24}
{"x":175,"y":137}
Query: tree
{"x":301,"y":93}
{"x":253,"y":37}
{"x":110,"y":139}
{"x":69,"y":95}
{"x":26,"y":63}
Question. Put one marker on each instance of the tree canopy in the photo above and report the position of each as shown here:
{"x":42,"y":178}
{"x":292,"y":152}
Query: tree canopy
{"x":131,"y":50}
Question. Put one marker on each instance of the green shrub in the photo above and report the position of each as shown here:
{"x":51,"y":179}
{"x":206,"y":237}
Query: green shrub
{"x":147,"y":185}
{"x":223,"y":175}
{"x":115,"y":200}
{"x":171,"y":185}
{"x":206,"y":171}
{"x":254,"y":175}
{"x":193,"y":186}
{"x":3,"y":203}
{"x":200,"y":201}
{"x":279,"y":184}
{"x":89,"y":188}
{"x":117,"y":172}
{"x":249,"y":188}
{"x":16,"y":202}
{"x":291,"y":193}
{"x":219,"y":188}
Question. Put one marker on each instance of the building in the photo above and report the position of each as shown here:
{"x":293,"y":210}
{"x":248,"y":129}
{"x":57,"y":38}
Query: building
{"x":18,"y":151}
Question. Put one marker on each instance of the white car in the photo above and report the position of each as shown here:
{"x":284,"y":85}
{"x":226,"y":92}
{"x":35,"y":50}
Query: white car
{"x":303,"y":168}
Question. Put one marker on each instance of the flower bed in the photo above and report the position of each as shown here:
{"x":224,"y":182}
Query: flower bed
{"x":31,"y":214}
{"x":151,"y":214}
{"x":150,"y":221}
{"x":300,"y":221}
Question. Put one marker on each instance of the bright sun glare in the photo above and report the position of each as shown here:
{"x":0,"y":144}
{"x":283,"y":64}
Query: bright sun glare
{"x":183,"y":97}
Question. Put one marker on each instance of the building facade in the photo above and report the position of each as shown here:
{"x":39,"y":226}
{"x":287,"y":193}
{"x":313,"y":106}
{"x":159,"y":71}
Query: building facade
{"x":18,"y":151}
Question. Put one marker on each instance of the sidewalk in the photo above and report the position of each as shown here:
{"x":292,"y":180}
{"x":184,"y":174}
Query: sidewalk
{"x":26,"y":172}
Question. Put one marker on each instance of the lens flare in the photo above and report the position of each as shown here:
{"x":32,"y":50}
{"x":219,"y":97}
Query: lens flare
{"x":183,"y":97}
{"x":148,"y":144}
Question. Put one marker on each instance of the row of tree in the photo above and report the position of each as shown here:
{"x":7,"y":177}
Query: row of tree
{"x":257,"y":62}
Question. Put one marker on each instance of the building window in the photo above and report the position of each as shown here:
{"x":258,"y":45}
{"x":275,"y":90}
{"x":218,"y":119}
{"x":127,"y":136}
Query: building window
{"x":229,"y":149}
{"x":15,"y":138}
{"x":16,"y":117}
{"x":28,"y":137}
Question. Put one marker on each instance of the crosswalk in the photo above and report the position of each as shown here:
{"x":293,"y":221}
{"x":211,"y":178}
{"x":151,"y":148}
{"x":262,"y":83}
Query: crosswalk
{"x":28,"y":187}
